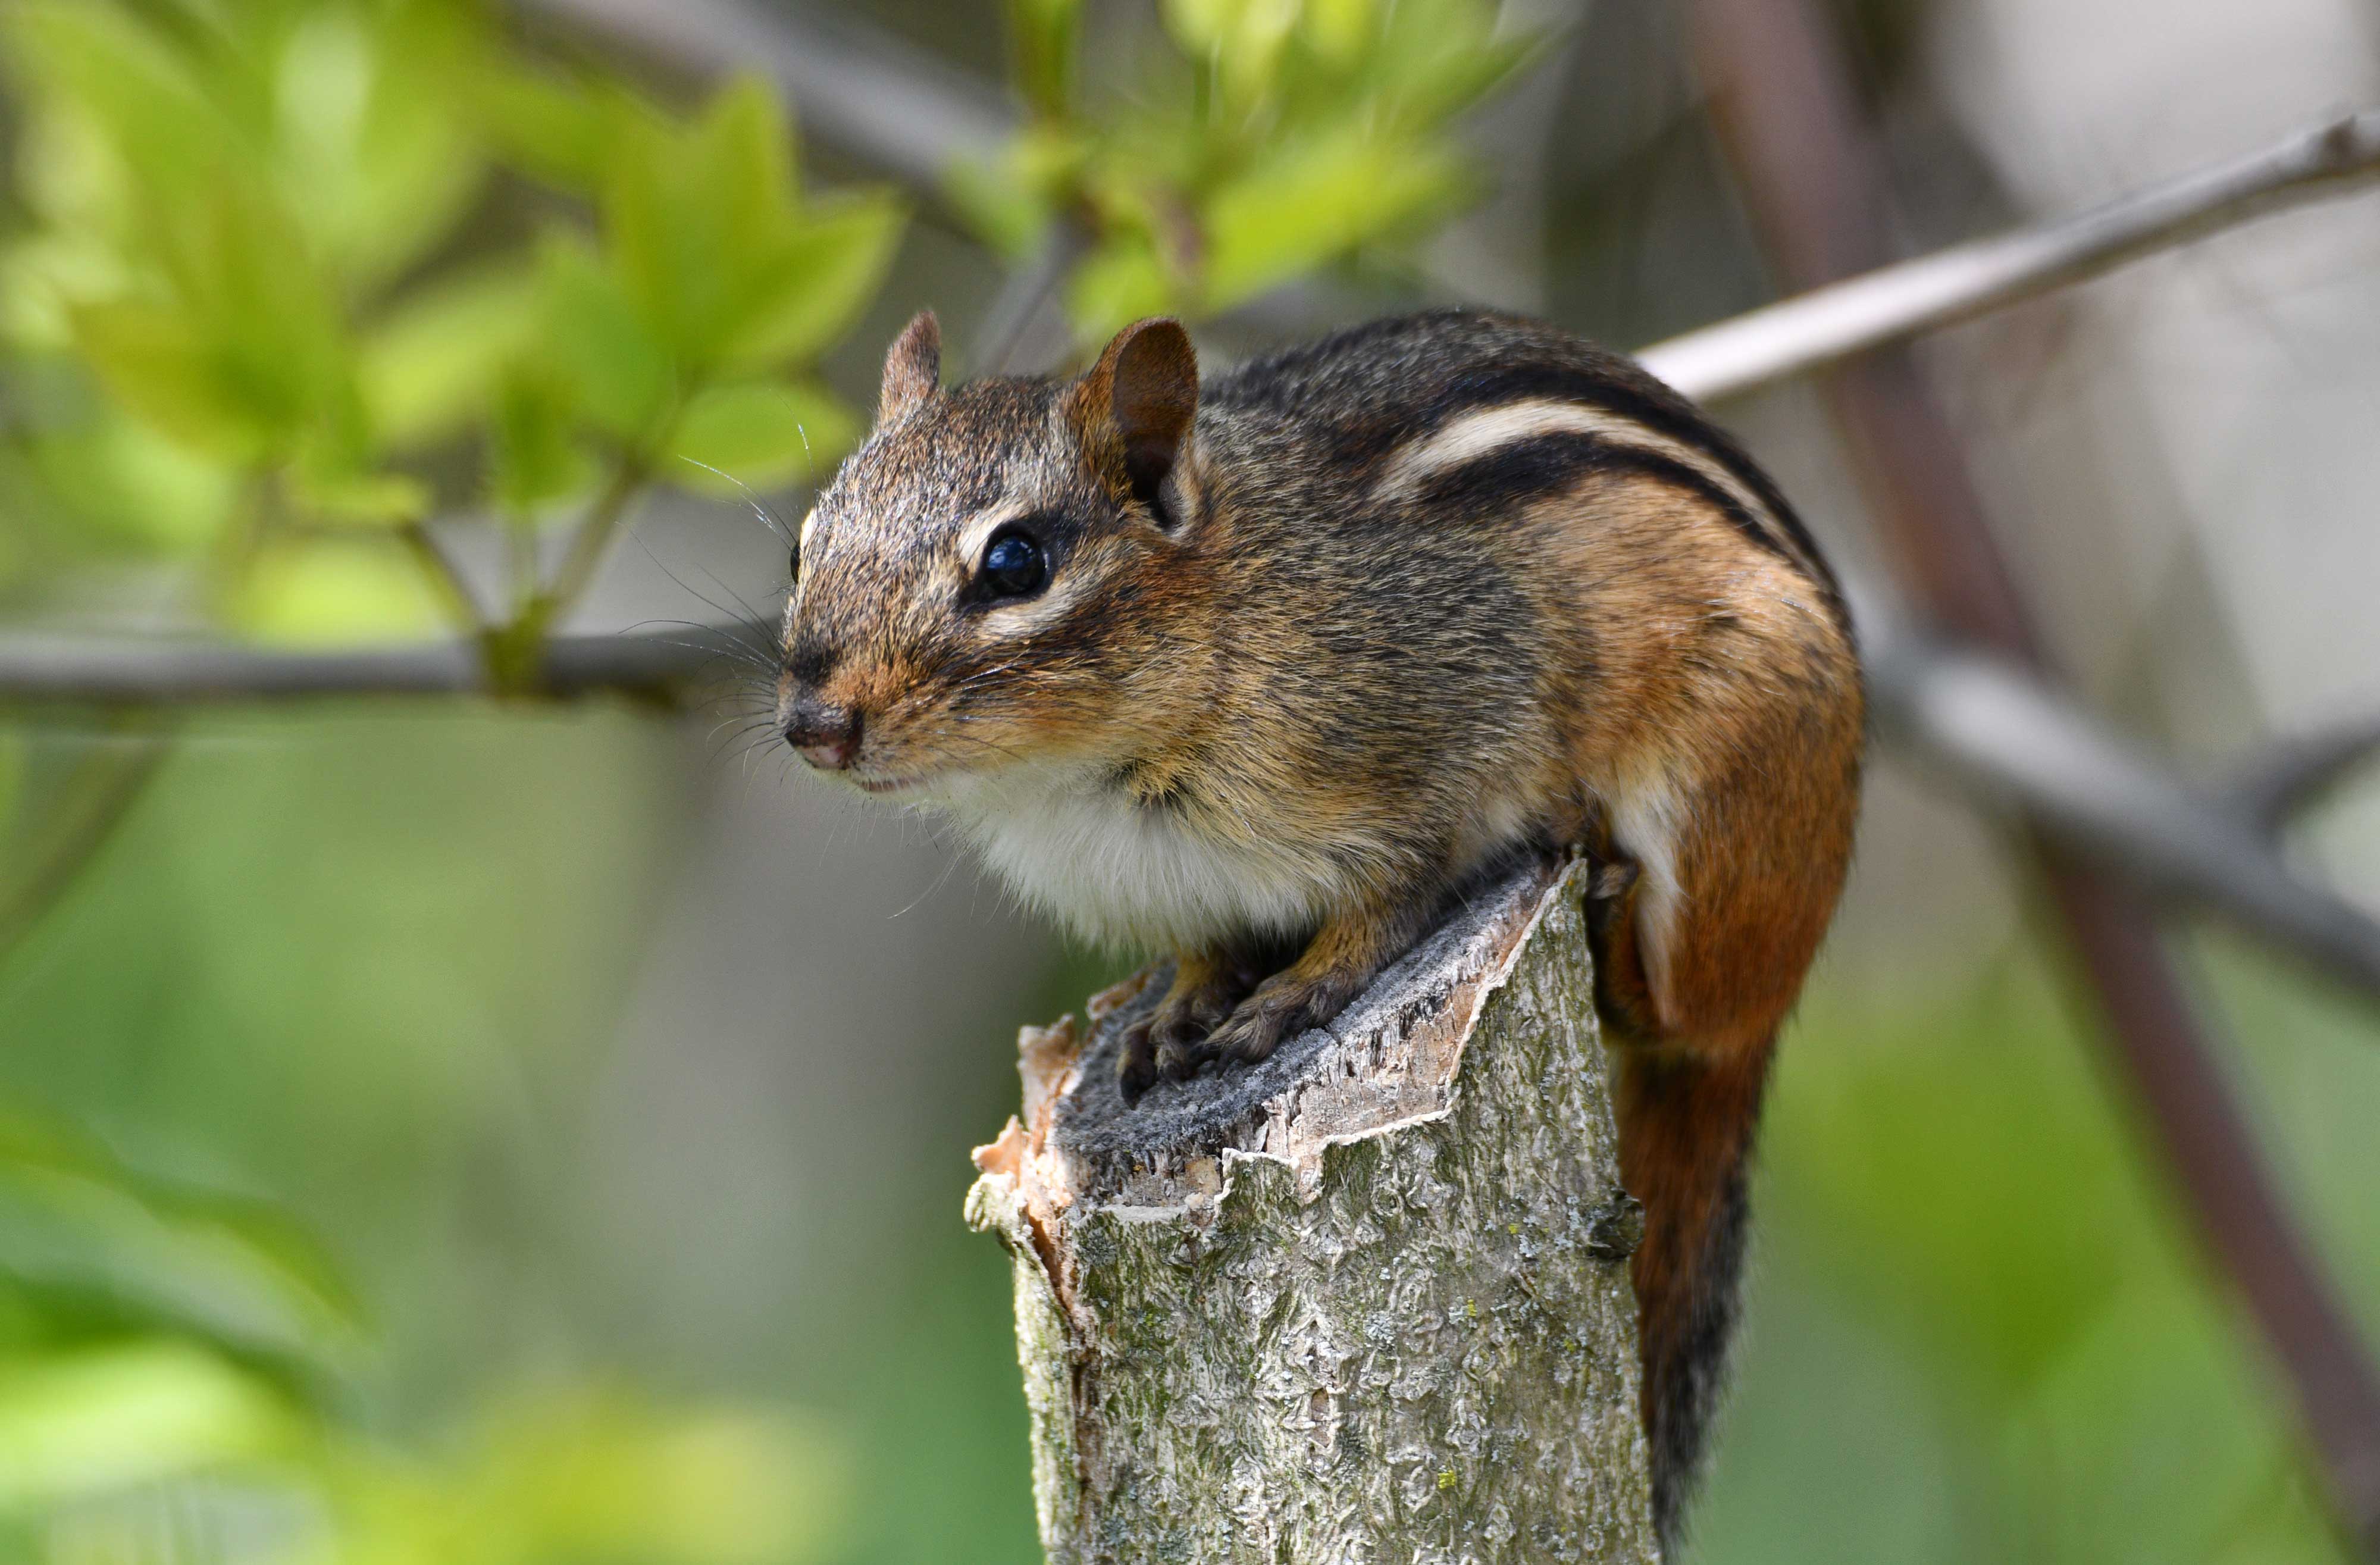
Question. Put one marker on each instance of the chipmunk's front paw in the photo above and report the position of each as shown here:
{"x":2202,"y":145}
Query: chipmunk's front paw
{"x":1170,"y":1042}
{"x":1282,"y":1006}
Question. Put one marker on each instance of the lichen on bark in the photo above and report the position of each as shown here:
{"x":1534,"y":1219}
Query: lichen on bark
{"x":1366,"y":1301}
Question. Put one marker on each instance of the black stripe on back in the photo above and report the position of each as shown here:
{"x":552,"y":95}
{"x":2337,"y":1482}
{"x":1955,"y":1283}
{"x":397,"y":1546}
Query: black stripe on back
{"x":1530,"y":470}
{"x":1383,"y":387}
{"x":1639,"y":397}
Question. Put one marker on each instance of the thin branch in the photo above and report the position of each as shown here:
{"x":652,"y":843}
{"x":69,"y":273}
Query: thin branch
{"x":445,"y":577}
{"x":70,"y":671}
{"x":1788,"y":120}
{"x":586,"y":546}
{"x":1895,"y":303}
{"x":2300,"y":773}
{"x":1027,"y":325}
{"x":2010,"y":739}
{"x":106,"y":785}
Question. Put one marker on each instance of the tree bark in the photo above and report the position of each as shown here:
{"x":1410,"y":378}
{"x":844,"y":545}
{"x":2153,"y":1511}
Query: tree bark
{"x":1368,"y":1302}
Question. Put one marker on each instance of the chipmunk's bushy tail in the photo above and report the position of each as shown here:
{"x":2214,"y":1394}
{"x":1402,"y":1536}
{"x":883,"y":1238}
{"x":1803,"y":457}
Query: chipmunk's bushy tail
{"x":1686,"y":1121}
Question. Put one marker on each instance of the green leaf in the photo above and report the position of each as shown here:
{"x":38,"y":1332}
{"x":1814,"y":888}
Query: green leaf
{"x":430,"y":368}
{"x":244,"y":272}
{"x":245,"y":352}
{"x":83,"y":1425}
{"x":1243,"y":39}
{"x":1432,"y":62}
{"x":43,"y":277}
{"x":556,"y":130}
{"x":696,"y":219}
{"x":98,"y":64}
{"x":712,"y":249}
{"x":1313,"y":203}
{"x":332,"y":592}
{"x":1120,"y":282}
{"x":993,"y":196}
{"x":600,"y":344}
{"x":761,"y":435}
{"x":816,"y":285}
{"x":156,"y":364}
{"x":375,"y":151}
{"x":89,"y":1243}
{"x":1339,"y":30}
{"x":536,"y":459}
{"x":123,"y":480}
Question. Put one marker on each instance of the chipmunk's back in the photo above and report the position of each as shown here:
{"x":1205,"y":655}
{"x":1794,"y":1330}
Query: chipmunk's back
{"x":1478,"y":386}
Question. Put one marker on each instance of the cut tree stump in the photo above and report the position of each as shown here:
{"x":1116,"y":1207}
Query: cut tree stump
{"x":1366,"y":1301}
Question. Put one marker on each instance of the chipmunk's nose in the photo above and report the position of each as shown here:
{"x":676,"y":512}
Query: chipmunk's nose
{"x":828,"y":736}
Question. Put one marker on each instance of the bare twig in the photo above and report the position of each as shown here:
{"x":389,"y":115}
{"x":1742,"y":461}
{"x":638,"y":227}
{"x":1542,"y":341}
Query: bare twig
{"x":106,"y":785}
{"x":586,"y":546}
{"x":1025,"y":325}
{"x":70,"y":671}
{"x":445,"y":577}
{"x":1786,"y":114}
{"x":2299,"y":772}
{"x":2011,"y":739}
{"x":1896,"y":303}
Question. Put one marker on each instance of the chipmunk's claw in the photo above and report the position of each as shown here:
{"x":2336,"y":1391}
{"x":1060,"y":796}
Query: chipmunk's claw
{"x":1282,"y":1007}
{"x":1136,"y":1063}
{"x":1171,"y":1043}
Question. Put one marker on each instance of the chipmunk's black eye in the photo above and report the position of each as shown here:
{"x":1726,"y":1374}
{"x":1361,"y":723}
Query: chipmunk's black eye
{"x":1014,"y":566}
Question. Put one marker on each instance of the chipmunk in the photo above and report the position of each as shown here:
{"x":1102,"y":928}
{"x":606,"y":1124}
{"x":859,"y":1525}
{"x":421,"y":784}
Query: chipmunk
{"x":1261,"y":672}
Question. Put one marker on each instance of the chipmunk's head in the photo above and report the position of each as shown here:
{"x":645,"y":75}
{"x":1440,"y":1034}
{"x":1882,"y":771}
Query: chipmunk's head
{"x":973,"y":589}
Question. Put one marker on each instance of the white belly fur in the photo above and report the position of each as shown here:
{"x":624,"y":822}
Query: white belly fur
{"x":1121,"y":875}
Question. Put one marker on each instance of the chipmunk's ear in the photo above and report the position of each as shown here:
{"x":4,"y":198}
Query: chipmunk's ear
{"x":913,"y":370}
{"x":1135,"y":407}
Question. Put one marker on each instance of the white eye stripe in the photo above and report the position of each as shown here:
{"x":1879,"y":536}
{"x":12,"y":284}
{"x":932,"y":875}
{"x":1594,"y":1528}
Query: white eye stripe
{"x":977,"y":536}
{"x":1026,"y":616}
{"x":802,"y":538}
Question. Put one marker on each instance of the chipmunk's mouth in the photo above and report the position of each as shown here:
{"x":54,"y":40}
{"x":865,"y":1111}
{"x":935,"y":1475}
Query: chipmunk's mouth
{"x":886,"y":784}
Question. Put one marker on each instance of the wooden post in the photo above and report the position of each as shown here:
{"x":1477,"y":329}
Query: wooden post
{"x":1368,"y":1302}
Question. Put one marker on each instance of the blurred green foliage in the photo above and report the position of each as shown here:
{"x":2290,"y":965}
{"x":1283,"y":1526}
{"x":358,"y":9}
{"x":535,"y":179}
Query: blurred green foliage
{"x":1982,"y":1333}
{"x":171,"y":1371}
{"x":1272,"y":138}
{"x":184,"y":1375}
{"x":284,"y":278}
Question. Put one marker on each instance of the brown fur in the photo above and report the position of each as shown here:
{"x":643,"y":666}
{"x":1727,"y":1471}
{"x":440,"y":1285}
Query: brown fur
{"x":1332,"y":635}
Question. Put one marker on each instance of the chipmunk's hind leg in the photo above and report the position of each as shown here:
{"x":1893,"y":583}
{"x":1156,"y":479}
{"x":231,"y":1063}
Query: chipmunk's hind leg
{"x":1335,"y":965}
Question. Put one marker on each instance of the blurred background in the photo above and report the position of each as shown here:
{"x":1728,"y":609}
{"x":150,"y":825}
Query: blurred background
{"x":512,"y":1129}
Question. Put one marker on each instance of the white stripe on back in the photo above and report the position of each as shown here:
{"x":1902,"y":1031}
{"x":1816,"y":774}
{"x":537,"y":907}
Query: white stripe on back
{"x":1474,"y":435}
